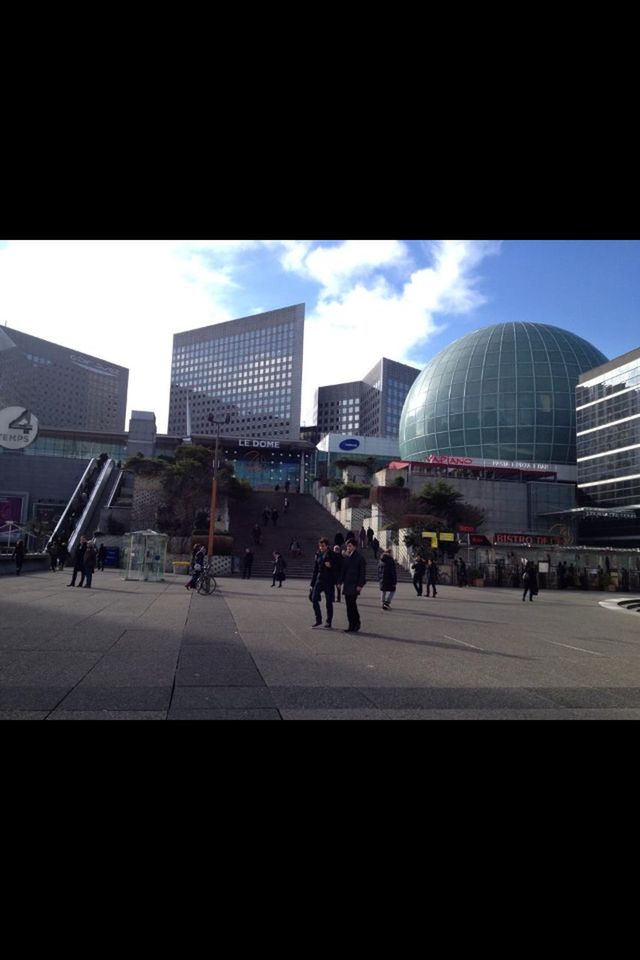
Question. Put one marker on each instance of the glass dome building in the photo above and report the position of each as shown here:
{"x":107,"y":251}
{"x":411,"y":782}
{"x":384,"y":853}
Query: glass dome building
{"x":502,"y":392}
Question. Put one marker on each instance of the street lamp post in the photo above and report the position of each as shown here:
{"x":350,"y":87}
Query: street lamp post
{"x":214,"y":483}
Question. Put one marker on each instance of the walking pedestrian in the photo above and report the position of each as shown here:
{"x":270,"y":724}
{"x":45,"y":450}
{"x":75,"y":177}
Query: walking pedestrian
{"x":419,"y":567}
{"x":354,"y":577}
{"x":530,"y":581}
{"x":462,"y":572}
{"x":369,"y":535}
{"x":247,"y":563}
{"x":257,"y":534}
{"x":375,"y":546}
{"x":89,"y":564}
{"x":266,"y":514}
{"x":287,"y":484}
{"x":63,"y":555}
{"x":52,"y":550}
{"x":432,"y":576}
{"x":279,"y":566}
{"x":387,"y":578}
{"x":18,"y":556}
{"x":323,"y":580}
{"x":286,"y":504}
{"x":102,"y":552}
{"x":274,"y":517}
{"x":362,"y":536}
{"x":78,"y":563}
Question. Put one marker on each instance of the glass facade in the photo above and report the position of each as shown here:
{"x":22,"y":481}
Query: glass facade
{"x":608,"y":434}
{"x":369,"y":407}
{"x":249,"y":369}
{"x":72,"y":447}
{"x":503,"y":392}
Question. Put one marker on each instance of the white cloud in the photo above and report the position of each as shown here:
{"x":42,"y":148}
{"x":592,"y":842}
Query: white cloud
{"x":348,"y":333}
{"x":122,"y":300}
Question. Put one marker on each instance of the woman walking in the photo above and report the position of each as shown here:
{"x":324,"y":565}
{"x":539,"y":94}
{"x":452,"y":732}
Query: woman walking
{"x":387,"y":578}
{"x":279,"y":566}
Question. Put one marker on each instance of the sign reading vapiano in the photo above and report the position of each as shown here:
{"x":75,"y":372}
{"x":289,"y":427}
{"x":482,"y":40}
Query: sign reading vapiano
{"x":18,"y":428}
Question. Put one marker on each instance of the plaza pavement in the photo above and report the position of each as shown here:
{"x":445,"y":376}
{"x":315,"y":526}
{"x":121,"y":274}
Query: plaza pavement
{"x":153,"y":651}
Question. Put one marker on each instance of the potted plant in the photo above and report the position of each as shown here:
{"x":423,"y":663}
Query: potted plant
{"x":475,"y":577}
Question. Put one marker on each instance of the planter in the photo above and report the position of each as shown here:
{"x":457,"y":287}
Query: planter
{"x":181,"y":566}
{"x":478,"y":583}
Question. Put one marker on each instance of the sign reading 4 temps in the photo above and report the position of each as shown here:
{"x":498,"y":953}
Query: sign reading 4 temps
{"x":18,"y":428}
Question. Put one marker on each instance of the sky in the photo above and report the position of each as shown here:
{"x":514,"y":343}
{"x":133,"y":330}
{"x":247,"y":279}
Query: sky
{"x":122,"y":300}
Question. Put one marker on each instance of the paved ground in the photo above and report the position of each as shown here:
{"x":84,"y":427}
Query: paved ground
{"x":153,"y":651}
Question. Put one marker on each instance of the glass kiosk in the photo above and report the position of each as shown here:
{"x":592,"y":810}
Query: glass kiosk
{"x":144,"y":553}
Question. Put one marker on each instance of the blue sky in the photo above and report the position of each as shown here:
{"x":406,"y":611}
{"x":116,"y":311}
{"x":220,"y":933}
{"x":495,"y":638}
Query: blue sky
{"x":404,"y":299}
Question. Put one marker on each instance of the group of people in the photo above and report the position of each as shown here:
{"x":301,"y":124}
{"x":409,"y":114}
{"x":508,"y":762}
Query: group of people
{"x":341,"y":570}
{"x":424,"y":568}
{"x":85,"y":560}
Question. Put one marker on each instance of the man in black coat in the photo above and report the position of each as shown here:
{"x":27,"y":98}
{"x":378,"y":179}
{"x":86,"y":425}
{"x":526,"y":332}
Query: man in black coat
{"x":78,"y":563}
{"x":323,"y":580}
{"x":354,"y":577}
{"x":247,"y":563}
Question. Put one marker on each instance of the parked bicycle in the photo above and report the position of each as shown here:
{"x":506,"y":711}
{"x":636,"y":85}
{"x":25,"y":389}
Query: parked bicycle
{"x":206,"y":582}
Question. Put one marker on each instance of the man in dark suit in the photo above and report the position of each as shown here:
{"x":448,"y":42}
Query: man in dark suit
{"x":323,"y":580}
{"x":354,"y":576}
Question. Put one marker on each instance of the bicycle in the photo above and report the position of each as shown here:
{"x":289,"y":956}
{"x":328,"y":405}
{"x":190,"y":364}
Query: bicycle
{"x":206,"y":582}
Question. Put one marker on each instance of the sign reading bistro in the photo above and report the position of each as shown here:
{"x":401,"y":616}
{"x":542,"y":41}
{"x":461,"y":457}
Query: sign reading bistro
{"x":530,"y":539}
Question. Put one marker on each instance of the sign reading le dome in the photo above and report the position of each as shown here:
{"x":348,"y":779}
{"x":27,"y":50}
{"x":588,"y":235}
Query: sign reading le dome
{"x":18,"y":428}
{"x":350,"y":444}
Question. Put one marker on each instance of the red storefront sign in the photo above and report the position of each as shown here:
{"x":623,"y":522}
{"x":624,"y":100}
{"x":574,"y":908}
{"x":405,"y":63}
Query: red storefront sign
{"x":526,"y":539}
{"x":465,"y":528}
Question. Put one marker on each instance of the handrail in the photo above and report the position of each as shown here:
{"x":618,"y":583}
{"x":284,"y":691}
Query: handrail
{"x":114,"y":489}
{"x":76,"y":493}
{"x":97,"y":491}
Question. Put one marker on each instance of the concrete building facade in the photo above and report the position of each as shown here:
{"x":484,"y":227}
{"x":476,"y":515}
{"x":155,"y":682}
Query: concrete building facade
{"x":65,"y":388}
{"x":370,"y":407}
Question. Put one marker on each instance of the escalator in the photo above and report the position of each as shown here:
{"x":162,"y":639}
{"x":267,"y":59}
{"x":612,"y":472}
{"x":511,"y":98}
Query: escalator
{"x":96,"y":489}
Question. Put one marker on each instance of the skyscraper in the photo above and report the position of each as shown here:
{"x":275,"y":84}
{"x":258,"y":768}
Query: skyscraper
{"x":249,"y":369}
{"x":62,"y":387}
{"x":370,"y":407}
{"x":608,"y":433}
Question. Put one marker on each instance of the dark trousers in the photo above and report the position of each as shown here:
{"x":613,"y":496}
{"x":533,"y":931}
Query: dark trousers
{"x":352,"y":611}
{"x":246,"y":572}
{"x":315,"y":599}
{"x":76,"y":571}
{"x":431,"y":584}
{"x":417,"y":582}
{"x":529,"y":590}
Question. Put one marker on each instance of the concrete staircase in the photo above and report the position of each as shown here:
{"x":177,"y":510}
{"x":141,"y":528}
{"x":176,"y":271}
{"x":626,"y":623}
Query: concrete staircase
{"x":305,"y":520}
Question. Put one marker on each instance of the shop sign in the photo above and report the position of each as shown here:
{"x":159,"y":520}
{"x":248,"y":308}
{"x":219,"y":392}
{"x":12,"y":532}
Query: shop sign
{"x":349,"y":444}
{"x":526,"y":539}
{"x":262,"y":444}
{"x":18,"y":428}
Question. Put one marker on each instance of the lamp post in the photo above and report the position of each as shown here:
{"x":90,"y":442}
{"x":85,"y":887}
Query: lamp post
{"x":214,"y":483}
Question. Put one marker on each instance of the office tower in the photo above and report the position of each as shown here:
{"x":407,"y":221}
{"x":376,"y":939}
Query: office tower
{"x":370,"y":407}
{"x":249,"y":369}
{"x":608,"y":433}
{"x":64,"y":388}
